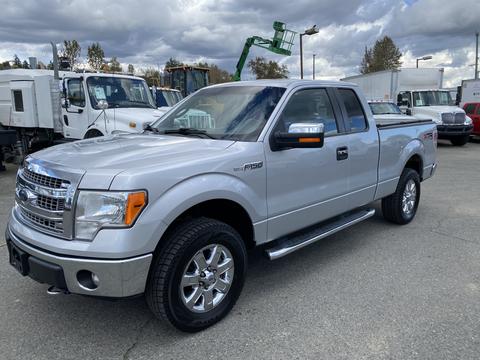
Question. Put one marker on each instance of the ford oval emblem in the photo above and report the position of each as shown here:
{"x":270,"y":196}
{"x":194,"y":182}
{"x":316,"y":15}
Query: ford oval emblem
{"x":23,"y":195}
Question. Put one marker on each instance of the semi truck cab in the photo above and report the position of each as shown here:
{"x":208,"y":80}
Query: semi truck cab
{"x":452,"y":122}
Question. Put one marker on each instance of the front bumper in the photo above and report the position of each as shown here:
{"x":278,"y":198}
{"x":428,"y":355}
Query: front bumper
{"x":449,"y":131}
{"x":116,"y":278}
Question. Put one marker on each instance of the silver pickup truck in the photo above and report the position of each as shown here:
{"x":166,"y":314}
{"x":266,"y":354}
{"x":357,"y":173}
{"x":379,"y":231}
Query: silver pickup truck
{"x":170,"y":213}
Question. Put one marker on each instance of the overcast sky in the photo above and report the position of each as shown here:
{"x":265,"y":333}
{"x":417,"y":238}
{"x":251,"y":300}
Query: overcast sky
{"x":148,"y":32}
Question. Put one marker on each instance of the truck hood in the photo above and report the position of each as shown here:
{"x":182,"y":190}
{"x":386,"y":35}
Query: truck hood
{"x":435,"y":112}
{"x":104,"y":157}
{"x":137,"y":115}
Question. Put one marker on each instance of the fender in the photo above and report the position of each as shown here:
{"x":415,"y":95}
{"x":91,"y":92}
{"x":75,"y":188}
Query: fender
{"x":200,"y":188}
{"x":391,"y":169}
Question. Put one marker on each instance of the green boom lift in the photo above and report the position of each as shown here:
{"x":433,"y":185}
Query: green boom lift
{"x":281,"y":43}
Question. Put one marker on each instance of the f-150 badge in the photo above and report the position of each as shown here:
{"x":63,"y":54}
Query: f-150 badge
{"x":250,"y":166}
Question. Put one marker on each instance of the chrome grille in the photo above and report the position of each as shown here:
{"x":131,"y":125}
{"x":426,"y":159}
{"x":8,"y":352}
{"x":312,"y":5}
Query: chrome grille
{"x":44,"y":180}
{"x":52,"y":225}
{"x":459,"y":118}
{"x":447,"y":118}
{"x":49,"y":203}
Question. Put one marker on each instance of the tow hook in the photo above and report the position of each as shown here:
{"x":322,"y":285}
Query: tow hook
{"x":53,"y":290}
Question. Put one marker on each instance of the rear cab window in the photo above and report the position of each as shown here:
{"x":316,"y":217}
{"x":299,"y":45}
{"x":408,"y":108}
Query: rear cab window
{"x":355,"y":119}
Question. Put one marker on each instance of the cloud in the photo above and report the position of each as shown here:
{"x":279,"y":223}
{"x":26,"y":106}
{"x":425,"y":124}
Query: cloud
{"x":148,"y":32}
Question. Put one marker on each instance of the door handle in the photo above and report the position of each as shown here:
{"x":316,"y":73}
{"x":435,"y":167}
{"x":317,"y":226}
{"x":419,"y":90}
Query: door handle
{"x":65,"y":119}
{"x":342,"y":153}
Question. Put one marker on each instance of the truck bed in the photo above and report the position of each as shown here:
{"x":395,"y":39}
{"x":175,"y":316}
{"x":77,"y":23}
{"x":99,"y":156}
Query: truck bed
{"x":387,"y":123}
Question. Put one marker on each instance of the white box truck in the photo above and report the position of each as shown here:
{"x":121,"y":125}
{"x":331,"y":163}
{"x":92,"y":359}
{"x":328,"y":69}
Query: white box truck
{"x":470,"y":91}
{"x":418,"y":92}
{"x":44,"y":108}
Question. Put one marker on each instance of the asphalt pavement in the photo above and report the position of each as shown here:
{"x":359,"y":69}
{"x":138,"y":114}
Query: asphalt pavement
{"x":374,"y":291}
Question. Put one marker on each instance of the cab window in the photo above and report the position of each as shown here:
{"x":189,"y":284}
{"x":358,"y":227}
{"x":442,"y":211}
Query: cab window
{"x":470,"y":108}
{"x":309,"y":106}
{"x":75,"y":93}
{"x":356,"y":120}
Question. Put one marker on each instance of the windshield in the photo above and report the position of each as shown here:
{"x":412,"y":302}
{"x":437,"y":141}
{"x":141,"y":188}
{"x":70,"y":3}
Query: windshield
{"x":431,"y":98}
{"x":234,"y":113}
{"x":119,"y":92}
{"x":382,"y":108}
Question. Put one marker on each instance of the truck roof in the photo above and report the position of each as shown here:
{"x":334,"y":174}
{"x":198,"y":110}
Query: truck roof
{"x":286,"y":83}
{"x":31,"y":73}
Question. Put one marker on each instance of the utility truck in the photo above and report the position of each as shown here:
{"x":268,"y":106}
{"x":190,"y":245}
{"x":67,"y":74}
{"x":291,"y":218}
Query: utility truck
{"x":418,"y":92}
{"x":44,"y":108}
{"x":170,"y":212}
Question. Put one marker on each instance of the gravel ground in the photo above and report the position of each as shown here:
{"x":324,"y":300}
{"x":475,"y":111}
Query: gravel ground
{"x":374,"y":291}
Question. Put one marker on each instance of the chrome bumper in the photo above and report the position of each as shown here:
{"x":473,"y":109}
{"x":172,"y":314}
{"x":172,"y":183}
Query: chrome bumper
{"x":116,"y":278}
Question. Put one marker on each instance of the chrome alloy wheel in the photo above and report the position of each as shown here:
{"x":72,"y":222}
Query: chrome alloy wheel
{"x":409,"y":197}
{"x":207,"y":278}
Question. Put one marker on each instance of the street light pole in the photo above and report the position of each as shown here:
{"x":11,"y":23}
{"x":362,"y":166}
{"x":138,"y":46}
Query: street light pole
{"x":314,"y":66}
{"x":311,"y":31}
{"x":476,"y":56}
{"x":428,"y":57}
{"x":301,"y":56}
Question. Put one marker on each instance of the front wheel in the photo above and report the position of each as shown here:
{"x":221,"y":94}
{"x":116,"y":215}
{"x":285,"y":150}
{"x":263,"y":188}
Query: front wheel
{"x":198,"y":275}
{"x":459,"y":141}
{"x":401,"y":206}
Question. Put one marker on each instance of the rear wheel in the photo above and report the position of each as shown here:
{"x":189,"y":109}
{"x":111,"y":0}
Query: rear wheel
{"x":459,"y":141}
{"x":401,"y":206}
{"x":198,"y":276}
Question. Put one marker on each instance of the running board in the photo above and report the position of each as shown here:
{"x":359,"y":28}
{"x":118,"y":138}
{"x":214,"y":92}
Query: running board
{"x":290,"y":244}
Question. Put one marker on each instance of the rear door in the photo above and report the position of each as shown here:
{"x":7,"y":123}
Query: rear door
{"x":363,"y":147}
{"x":306,"y":186}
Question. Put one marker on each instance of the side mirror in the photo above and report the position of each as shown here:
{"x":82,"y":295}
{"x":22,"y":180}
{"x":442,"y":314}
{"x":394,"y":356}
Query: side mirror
{"x":146,"y":125}
{"x":408,"y":112}
{"x":102,"y":105}
{"x":299,"y":135}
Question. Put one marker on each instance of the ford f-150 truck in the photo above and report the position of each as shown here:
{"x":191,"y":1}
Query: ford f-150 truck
{"x":170,"y":213}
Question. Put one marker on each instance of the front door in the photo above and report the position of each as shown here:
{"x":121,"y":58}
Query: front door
{"x":75,"y":116}
{"x":306,"y":186}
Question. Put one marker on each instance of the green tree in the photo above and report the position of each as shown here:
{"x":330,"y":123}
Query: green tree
{"x":267,"y":70}
{"x":366,"y":64}
{"x":151,"y":76}
{"x":216,"y":75}
{"x":25,"y":64}
{"x":71,"y":51}
{"x":131,"y":69}
{"x":95,"y":56}
{"x":16,"y":62}
{"x":5,"y":65}
{"x":115,"y":65}
{"x":172,"y":62}
{"x":384,"y":55}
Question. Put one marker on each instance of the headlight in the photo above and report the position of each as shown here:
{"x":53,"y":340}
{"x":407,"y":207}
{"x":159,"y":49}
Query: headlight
{"x":96,"y":209}
{"x":468,"y":121}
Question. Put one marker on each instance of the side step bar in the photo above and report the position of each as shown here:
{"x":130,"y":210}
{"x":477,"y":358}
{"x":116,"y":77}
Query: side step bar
{"x":290,"y":244}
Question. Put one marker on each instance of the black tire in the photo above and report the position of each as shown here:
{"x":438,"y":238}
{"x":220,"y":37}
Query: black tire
{"x":392,"y":208}
{"x":93,"y":134}
{"x":459,"y":141}
{"x":163,"y":293}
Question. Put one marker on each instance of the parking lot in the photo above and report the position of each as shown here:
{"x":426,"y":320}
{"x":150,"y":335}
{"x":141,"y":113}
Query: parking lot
{"x":374,"y":291}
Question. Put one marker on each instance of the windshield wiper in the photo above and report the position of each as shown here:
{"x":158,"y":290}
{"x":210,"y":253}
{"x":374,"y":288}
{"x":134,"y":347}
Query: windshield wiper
{"x":188,"y":131}
{"x":148,"y":127}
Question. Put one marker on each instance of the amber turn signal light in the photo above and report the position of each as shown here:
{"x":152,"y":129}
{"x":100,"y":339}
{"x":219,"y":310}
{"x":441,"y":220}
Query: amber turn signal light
{"x":135,"y":204}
